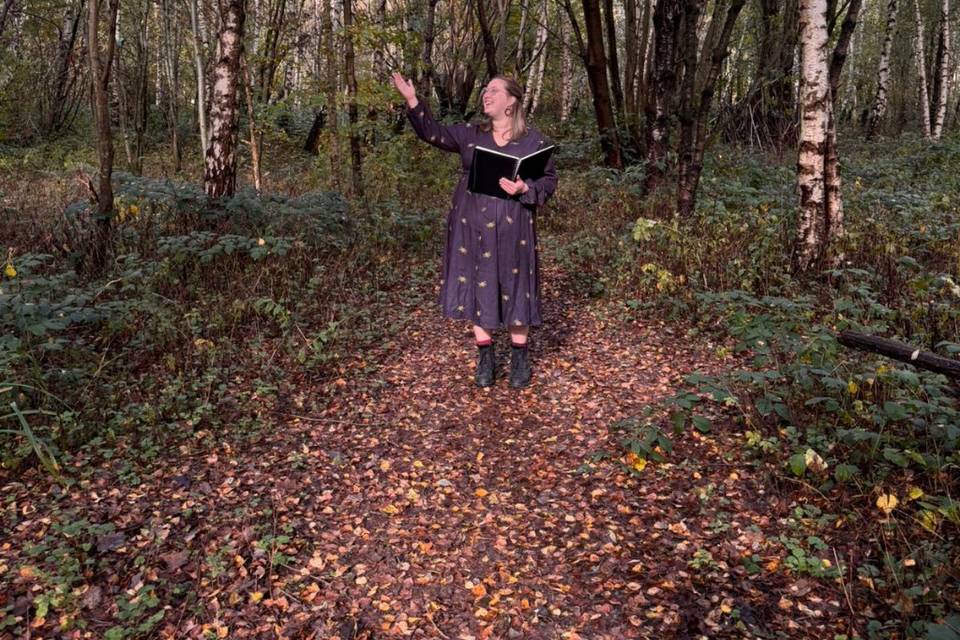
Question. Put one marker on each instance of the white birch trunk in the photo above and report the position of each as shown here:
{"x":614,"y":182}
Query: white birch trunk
{"x":883,"y":71}
{"x":814,"y":104}
{"x":201,"y":80}
{"x":220,"y":167}
{"x":944,"y":72}
{"x":531,"y":98}
{"x":918,"y":52}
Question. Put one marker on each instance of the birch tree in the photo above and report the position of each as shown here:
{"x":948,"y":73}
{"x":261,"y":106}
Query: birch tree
{"x":943,"y":71}
{"x":814,"y":104}
{"x":200,"y":76}
{"x":220,"y":166}
{"x":923,"y":96}
{"x":883,"y":71}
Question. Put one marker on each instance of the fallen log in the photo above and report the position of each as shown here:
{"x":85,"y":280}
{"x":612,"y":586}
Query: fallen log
{"x":902,"y":352}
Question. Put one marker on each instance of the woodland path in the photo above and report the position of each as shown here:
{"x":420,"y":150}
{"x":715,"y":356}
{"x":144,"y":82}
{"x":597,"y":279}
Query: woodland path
{"x":406,"y":502}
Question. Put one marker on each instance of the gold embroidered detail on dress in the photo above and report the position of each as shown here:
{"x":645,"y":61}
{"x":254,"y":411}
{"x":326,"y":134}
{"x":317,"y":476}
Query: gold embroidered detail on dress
{"x":515,"y":270}
{"x":517,"y":322}
{"x":523,"y":242}
{"x":463,"y":249}
{"x":506,"y":297}
{"x":528,"y":294}
{"x":482,"y":283}
{"x":487,"y":254}
{"x":463,"y":220}
{"x":432,"y":138}
{"x":462,"y":278}
{"x":509,"y":219}
{"x":491,"y":224}
{"x":459,"y":307}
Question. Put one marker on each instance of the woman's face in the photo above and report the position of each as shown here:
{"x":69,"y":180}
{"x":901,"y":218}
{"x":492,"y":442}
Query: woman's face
{"x":496,"y":99}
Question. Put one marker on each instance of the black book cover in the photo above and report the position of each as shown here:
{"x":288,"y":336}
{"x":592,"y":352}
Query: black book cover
{"x":489,"y":165}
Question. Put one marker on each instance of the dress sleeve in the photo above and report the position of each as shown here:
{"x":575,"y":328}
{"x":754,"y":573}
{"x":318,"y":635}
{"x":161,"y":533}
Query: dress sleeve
{"x":446,"y":137}
{"x":542,"y":188}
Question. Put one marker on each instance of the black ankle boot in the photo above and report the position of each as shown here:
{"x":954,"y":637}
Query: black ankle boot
{"x":485,"y":366}
{"x":519,"y":366}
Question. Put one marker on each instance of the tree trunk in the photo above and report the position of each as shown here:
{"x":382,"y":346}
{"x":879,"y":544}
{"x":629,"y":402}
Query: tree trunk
{"x":55,"y":102}
{"x":694,"y":127}
{"x":170,"y":59}
{"x":426,"y":78}
{"x":666,"y":27}
{"x":356,"y":159}
{"x":100,"y":66}
{"x":531,"y":98}
{"x":613,"y":63}
{"x":198,"y":68}
{"x":489,"y":46}
{"x":883,"y":72}
{"x":923,"y":95}
{"x":599,"y":89}
{"x":379,"y":61}
{"x":814,"y":114}
{"x":566,"y":74}
{"x":942,"y":89}
{"x":254,"y":138}
{"x":270,"y":55}
{"x":521,"y":32}
{"x":220,"y":166}
{"x":833,"y":201}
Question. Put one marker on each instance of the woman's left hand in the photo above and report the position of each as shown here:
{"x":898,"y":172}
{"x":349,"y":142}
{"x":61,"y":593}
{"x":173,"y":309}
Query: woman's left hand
{"x":514,"y":187}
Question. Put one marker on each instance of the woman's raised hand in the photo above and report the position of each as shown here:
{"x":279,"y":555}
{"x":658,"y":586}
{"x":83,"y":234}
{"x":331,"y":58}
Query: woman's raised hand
{"x":406,"y":88}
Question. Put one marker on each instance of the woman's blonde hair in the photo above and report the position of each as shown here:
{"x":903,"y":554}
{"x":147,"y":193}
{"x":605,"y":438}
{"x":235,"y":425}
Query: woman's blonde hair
{"x":518,"y":124}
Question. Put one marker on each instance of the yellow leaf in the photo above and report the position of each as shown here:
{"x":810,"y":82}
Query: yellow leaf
{"x":391,"y":509}
{"x":887,"y":503}
{"x":913,"y":493}
{"x":852,"y":388}
{"x":481,"y":492}
{"x":10,"y":270}
{"x":412,"y":495}
{"x":928,"y":520}
{"x":478,"y":590}
{"x":640,"y":464}
{"x":256,"y":597}
{"x":417,"y":464}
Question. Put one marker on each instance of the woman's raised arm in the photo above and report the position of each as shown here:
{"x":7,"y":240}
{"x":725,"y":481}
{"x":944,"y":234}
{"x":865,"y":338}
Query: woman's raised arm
{"x":446,"y":137}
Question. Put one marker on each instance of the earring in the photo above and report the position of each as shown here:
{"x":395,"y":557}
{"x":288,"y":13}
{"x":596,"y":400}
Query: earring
{"x":508,"y":111}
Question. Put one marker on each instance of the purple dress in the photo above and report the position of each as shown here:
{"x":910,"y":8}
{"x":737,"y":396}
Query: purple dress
{"x":491,"y":272}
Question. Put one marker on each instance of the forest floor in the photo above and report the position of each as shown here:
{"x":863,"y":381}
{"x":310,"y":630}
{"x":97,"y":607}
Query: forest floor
{"x":403,"y":501}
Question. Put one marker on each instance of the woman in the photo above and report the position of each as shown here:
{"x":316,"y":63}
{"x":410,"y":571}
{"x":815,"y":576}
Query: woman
{"x":491,"y":272}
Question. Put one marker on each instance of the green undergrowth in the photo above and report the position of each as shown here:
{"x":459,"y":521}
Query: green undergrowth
{"x":208,"y":318}
{"x":871,"y":442}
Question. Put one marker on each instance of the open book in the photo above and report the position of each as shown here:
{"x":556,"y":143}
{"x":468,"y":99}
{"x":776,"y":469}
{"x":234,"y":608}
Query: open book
{"x":489,"y":165}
